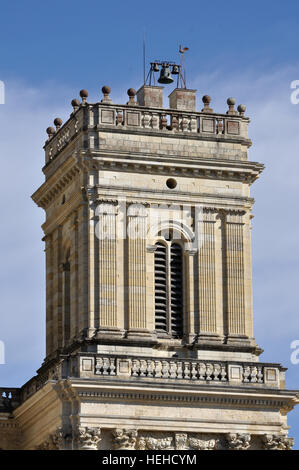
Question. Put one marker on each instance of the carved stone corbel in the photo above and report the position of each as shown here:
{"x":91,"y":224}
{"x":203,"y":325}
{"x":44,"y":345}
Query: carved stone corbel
{"x":238,"y":441}
{"x":277,"y":442}
{"x":55,"y":441}
{"x":124,"y":439}
{"x":88,"y":438}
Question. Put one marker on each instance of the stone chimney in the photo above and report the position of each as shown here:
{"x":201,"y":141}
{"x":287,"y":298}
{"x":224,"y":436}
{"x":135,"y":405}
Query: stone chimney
{"x":150,"y":96}
{"x":182,"y":99}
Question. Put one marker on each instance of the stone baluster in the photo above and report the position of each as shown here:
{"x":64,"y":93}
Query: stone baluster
{"x":149,"y":368}
{"x":246,"y":374}
{"x":143,"y":368}
{"x":99,"y":366}
{"x":216,"y":372}
{"x":187,"y":371}
{"x":193,"y":371}
{"x":209,"y":372}
{"x":179,"y":370}
{"x":165,"y":369}
{"x":223,"y":373}
{"x":135,"y":367}
{"x":202,"y":371}
{"x":155,"y":121}
{"x":158,"y":369}
{"x":260,"y":376}
{"x":172,"y":370}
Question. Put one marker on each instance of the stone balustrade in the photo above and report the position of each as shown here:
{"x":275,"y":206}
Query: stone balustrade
{"x":9,"y":398}
{"x":193,"y":370}
{"x":91,"y":118}
{"x":93,"y":365}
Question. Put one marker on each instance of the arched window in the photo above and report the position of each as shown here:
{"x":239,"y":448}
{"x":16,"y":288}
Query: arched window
{"x":169,"y":289}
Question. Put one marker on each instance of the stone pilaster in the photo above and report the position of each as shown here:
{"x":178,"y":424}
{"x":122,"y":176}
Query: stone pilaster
{"x":83,"y":259}
{"x":49,"y":295}
{"x":74,"y":278}
{"x":189,"y":327}
{"x":234,"y":275}
{"x":57,"y":289}
{"x":207,"y":328}
{"x":91,"y":270}
{"x":106,"y":234}
{"x":65,"y":269}
{"x":136,"y":269}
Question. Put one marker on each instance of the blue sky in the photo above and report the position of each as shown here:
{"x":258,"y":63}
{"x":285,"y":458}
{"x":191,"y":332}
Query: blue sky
{"x":246,"y":50}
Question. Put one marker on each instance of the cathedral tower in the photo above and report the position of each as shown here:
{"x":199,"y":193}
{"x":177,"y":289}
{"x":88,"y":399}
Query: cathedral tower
{"x":149,"y":323}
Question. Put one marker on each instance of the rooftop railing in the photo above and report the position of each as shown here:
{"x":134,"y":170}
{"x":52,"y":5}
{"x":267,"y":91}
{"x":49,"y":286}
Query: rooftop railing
{"x":139,"y":119}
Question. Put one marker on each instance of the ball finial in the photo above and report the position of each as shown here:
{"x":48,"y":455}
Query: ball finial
{"x":57,"y":123}
{"x":75,"y":103}
{"x":241,"y":108}
{"x":231,"y":103}
{"x":206,"y":99}
{"x":50,"y":131}
{"x":106,"y":91}
{"x":131,"y":94}
{"x":84,"y":95}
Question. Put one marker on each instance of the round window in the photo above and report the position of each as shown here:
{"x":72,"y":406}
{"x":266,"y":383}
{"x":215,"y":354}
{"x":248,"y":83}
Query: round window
{"x":171,"y":183}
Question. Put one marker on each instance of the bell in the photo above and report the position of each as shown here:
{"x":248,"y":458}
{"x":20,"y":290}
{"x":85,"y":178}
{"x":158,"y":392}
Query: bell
{"x":175,"y":70}
{"x":165,"y":75}
{"x":155,"y":68}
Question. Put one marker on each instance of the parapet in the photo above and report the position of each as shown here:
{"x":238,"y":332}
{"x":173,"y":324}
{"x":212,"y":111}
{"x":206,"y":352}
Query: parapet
{"x":147,"y":116}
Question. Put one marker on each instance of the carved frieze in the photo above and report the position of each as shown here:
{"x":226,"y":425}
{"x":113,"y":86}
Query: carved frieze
{"x":88,"y":438}
{"x":55,"y":441}
{"x":238,"y":441}
{"x":277,"y":442}
{"x":175,"y":441}
{"x":124,"y":438}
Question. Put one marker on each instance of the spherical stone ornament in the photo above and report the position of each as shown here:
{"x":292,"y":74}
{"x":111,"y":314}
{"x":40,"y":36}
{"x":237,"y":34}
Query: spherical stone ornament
{"x":241,"y":108}
{"x":206,"y":99}
{"x":57,"y":122}
{"x":50,"y":131}
{"x":75,"y":103}
{"x":231,"y":101}
{"x":131,"y":92}
{"x":83,"y":93}
{"x":106,"y":90}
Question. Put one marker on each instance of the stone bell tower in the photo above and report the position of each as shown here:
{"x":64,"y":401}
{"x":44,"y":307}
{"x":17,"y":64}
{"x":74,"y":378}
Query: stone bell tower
{"x":149,"y":321}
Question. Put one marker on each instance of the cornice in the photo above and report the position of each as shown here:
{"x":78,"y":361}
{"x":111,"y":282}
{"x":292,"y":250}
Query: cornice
{"x":212,"y":168}
{"x":219,"y":395}
{"x":135,"y":194}
{"x":56,"y":184}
